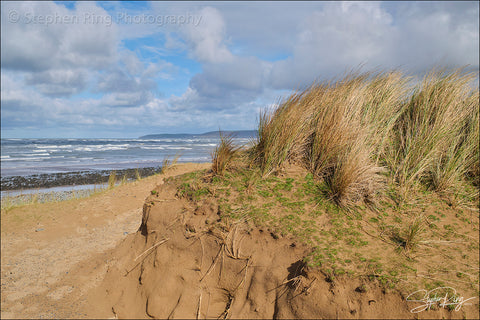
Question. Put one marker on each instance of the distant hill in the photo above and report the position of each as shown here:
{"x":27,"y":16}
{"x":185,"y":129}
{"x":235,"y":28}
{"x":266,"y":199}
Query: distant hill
{"x":211,"y":134}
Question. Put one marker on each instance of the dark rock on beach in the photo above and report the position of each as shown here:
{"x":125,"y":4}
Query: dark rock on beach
{"x":72,"y":178}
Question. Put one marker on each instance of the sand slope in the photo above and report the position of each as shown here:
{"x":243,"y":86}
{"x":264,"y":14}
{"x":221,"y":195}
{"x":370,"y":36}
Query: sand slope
{"x":130,"y":253}
{"x":181,"y":265}
{"x":53,"y":253}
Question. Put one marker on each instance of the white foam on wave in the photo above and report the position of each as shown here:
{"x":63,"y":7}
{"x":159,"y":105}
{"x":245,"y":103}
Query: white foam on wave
{"x":84,"y":149}
{"x":115,"y":148}
{"x":102,"y":147}
{"x":35,"y":154}
{"x":73,"y":154}
{"x":31,"y":159}
{"x":152,"y":148}
{"x":55,"y":146}
{"x":119,"y":145}
{"x":202,"y":145}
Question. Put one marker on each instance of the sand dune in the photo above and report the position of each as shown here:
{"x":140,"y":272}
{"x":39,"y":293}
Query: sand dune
{"x":134,"y":253}
{"x":180,"y":266}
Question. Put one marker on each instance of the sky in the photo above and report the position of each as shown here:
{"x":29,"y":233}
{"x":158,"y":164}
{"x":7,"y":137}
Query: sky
{"x":126,"y":69}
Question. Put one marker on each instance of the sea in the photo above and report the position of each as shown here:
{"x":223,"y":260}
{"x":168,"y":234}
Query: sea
{"x":47,"y":157}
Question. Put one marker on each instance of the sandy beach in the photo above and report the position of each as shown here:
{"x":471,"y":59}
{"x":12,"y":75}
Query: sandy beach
{"x":53,"y":253}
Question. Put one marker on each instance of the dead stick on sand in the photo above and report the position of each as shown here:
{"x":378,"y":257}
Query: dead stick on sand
{"x":441,"y":241}
{"x":244,"y":279}
{"x":174,"y":221}
{"x":304,"y":290}
{"x":213,"y":264}
{"x":208,"y":303}
{"x":154,"y":246}
{"x":295,"y":279}
{"x":203,"y":250}
{"x":452,"y":281}
{"x":163,"y":200}
{"x":199,"y":305}
{"x":222,"y":265}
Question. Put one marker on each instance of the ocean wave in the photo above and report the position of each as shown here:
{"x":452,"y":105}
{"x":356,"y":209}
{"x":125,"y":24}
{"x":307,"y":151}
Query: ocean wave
{"x":72,"y":154}
{"x":55,"y":146}
{"x":28,"y":159}
{"x":202,"y":145}
{"x":29,"y":155}
{"x":101,"y":147}
{"x":152,"y":148}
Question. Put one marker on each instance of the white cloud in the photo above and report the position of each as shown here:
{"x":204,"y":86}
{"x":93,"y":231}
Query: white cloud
{"x":58,"y":82}
{"x":343,"y":36}
{"x":329,"y":41}
{"x":38,"y":42}
{"x":247,"y":53}
{"x":26,"y":108}
{"x":340,"y":37}
{"x":61,"y":59}
{"x":57,"y":49}
{"x":439,"y":33}
{"x":243,"y":75}
{"x":206,"y":40}
{"x":126,"y":99}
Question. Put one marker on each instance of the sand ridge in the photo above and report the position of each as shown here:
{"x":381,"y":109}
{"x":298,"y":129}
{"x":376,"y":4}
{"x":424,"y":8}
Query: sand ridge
{"x":181,"y":265}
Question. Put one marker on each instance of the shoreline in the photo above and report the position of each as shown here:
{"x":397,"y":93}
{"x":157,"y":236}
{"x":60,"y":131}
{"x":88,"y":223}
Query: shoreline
{"x":18,"y":184}
{"x":44,"y":188}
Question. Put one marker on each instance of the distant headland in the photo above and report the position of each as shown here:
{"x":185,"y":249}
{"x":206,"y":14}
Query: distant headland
{"x":210,"y":134}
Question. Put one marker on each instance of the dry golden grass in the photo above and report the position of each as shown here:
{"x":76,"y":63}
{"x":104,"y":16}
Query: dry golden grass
{"x":280,"y":134}
{"x":434,"y":135}
{"x":112,"y":179}
{"x":167,"y":163}
{"x":347,"y":132}
{"x":223,"y":154}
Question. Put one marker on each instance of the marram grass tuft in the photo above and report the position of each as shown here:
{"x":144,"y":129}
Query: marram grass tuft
{"x":355,"y":132}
